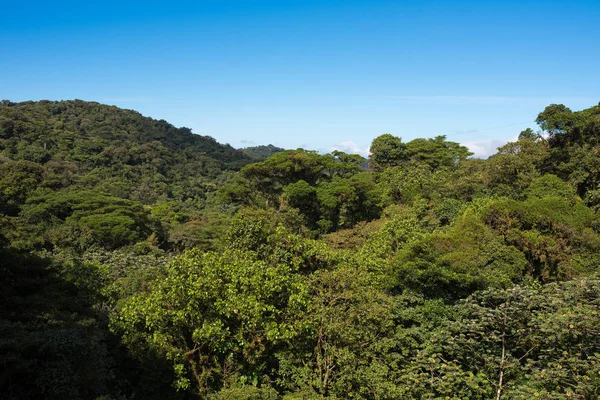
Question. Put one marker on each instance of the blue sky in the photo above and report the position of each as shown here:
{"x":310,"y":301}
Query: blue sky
{"x":312,"y":74}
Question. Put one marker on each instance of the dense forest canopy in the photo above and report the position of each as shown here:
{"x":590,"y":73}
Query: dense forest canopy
{"x":139,"y":260}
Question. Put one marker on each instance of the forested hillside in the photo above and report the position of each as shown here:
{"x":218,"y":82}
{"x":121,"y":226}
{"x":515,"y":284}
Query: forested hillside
{"x":139,"y":260}
{"x":262,"y":152}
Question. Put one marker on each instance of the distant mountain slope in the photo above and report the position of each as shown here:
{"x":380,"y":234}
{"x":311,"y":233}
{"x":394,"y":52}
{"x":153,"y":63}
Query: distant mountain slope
{"x":101,"y":147}
{"x":39,"y":131}
{"x":262,"y":152}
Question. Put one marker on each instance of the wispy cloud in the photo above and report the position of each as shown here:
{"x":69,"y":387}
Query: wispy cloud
{"x":484,"y":148}
{"x":350,"y":147}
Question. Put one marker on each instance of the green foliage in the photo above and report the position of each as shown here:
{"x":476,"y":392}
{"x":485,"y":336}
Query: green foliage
{"x":573,"y":139}
{"x":346,"y":341}
{"x":528,"y":134}
{"x":49,"y":151}
{"x":51,"y":345}
{"x":518,"y":343}
{"x":399,"y":229}
{"x":57,"y":128}
{"x":349,"y":158}
{"x":386,"y":151}
{"x":550,"y":186}
{"x":328,"y":190}
{"x":245,"y":392}
{"x":269,"y":177}
{"x":85,"y":218}
{"x":516,"y":165}
{"x":405,"y":185}
{"x":262,"y":152}
{"x":138,"y":260}
{"x":271,"y":237}
{"x":302,"y":196}
{"x":436,"y":152}
{"x":17,"y":180}
{"x":567,"y":127}
{"x":215,"y":315}
{"x":411,"y":184}
{"x":196,"y":233}
{"x":556,"y":235}
{"x":288,"y":167}
{"x":355,"y":238}
{"x":101,"y":142}
{"x":345,"y":201}
{"x":454,"y":263}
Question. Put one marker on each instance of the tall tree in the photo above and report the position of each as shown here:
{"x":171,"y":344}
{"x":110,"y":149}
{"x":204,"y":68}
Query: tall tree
{"x":387,"y":151}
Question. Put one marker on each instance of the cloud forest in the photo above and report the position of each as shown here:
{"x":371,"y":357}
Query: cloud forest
{"x":139,"y":260}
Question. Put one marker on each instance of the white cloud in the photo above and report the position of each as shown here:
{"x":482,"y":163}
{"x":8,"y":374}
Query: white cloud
{"x":484,"y":148}
{"x":350,"y":147}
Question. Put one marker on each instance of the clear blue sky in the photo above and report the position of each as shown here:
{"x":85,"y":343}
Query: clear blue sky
{"x":313,"y":74}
